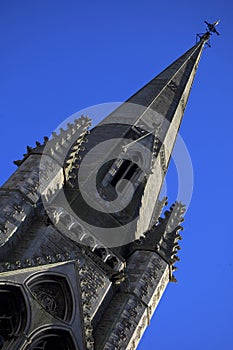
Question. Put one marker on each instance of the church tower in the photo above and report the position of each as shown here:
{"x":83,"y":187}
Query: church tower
{"x":85,"y":253}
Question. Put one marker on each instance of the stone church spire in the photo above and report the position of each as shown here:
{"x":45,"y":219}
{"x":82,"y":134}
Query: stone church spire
{"x":137,"y":141}
{"x":84,"y":267}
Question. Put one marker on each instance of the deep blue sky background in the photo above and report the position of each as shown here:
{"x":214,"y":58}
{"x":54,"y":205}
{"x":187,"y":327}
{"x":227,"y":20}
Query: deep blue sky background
{"x":59,"y":56}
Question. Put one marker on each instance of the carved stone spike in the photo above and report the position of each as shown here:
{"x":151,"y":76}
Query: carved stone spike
{"x":17,"y":207}
{"x":7,"y":265}
{"x":17,"y":162}
{"x":3,"y":227}
{"x":174,"y":258}
{"x":18,"y":264}
{"x":173,"y":279}
{"x":28,"y":262}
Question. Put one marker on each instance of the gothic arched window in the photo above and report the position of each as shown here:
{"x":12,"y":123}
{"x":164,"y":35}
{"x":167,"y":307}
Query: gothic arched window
{"x":13,"y":314}
{"x":52,"y":339}
{"x":54,"y":294}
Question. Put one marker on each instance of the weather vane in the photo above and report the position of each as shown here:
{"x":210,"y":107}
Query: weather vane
{"x":211,"y":27}
{"x":209,"y":31}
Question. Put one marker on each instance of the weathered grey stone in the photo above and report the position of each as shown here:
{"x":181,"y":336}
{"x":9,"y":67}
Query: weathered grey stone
{"x":59,"y":274}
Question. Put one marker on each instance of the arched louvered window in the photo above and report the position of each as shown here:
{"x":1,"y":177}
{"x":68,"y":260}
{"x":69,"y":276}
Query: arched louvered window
{"x":126,"y":171}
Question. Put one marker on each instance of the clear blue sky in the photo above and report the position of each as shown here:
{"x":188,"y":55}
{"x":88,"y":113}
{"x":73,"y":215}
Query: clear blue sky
{"x":59,"y":56}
